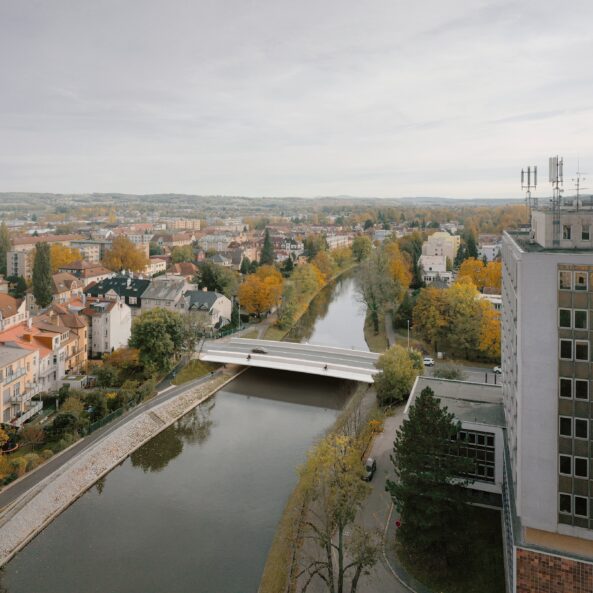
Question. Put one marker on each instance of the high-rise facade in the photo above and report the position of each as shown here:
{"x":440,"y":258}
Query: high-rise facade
{"x":547,"y":343}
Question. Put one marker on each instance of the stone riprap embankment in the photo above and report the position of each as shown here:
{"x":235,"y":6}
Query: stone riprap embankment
{"x":33,"y":511}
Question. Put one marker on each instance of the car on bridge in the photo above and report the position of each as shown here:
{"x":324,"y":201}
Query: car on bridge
{"x":259,"y":350}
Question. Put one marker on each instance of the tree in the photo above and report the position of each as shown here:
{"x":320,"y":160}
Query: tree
{"x":42,"y":290}
{"x":183,"y":253}
{"x":154,"y":249}
{"x":245,"y":266}
{"x":255,"y":295}
{"x":429,"y":315}
{"x":325,"y":263}
{"x":342,"y":256}
{"x":460,"y":256}
{"x":17,"y":286}
{"x":493,"y":275}
{"x":405,"y":311}
{"x":273,"y":280}
{"x":345,"y":552}
{"x":124,"y":255}
{"x":490,"y":330}
{"x":376,"y":287}
{"x":463,"y":314}
{"x":313,"y":244}
{"x":361,"y":247}
{"x":32,"y":434}
{"x":288,"y":266}
{"x":471,"y":246}
{"x":158,"y":334}
{"x":267,"y":252}
{"x":4,"y":247}
{"x":306,"y":279}
{"x":61,"y":256}
{"x":398,"y":372}
{"x":473,"y":269}
{"x":430,"y":487}
{"x":4,"y":438}
{"x":195,"y":324}
{"x":217,"y":278}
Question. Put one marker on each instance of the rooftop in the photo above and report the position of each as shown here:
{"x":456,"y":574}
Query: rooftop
{"x":523,"y":240}
{"x":11,"y":353}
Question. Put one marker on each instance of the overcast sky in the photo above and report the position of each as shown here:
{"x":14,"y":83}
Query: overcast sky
{"x":302,"y":97}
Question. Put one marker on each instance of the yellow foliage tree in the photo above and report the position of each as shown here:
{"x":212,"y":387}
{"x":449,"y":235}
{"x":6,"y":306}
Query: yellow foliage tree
{"x":325,"y":263}
{"x":473,"y":269}
{"x":430,"y":314}
{"x":61,"y":256}
{"x":124,"y":255}
{"x":493,"y":275}
{"x":273,"y":279}
{"x":342,"y":256}
{"x":490,"y":330}
{"x":256,"y":295}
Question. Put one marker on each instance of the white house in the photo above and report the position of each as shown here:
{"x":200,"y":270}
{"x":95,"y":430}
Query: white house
{"x":216,"y":305}
{"x":434,"y":267}
{"x":110,"y":325}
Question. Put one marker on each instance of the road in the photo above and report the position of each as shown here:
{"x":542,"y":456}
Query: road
{"x":12,"y":492}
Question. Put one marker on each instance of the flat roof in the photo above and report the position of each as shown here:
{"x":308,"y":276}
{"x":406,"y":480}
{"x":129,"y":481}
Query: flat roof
{"x":521,"y":238}
{"x":480,"y":403}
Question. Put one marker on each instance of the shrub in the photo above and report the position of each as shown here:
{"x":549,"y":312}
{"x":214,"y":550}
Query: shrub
{"x":46,"y":454}
{"x":63,"y":423}
{"x":19,"y":466}
{"x":107,"y":376}
{"x":450,"y":371}
{"x":32,"y":460}
{"x":32,"y":433}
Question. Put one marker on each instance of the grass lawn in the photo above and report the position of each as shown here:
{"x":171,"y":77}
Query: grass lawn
{"x":194,"y":370}
{"x":375,"y":342}
{"x":482,"y":568}
{"x":275,"y":333}
{"x":250,"y":334}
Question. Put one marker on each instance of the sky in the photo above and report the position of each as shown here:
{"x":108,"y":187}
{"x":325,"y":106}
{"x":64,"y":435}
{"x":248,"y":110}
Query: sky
{"x":375,"y":98}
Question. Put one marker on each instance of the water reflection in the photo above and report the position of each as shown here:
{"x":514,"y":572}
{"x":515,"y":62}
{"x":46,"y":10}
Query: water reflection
{"x":193,"y":429}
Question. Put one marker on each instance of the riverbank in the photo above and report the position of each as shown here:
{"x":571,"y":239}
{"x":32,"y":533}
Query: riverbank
{"x":274,"y":332}
{"x":22,"y":520}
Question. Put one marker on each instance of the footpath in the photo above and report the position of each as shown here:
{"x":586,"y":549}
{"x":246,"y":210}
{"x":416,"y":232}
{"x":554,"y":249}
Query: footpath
{"x":28,"y":506}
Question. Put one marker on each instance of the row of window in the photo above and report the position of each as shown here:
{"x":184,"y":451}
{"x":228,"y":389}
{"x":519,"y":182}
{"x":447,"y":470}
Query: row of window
{"x":573,"y":318}
{"x":585,"y":232}
{"x":571,"y":465}
{"x":574,"y":505}
{"x":574,"y":350}
{"x":577,"y":388}
{"x":479,"y":438}
{"x":568,"y":280}
{"x":577,"y":427}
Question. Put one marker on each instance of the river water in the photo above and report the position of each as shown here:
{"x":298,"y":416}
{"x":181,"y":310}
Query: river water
{"x":195,"y":509}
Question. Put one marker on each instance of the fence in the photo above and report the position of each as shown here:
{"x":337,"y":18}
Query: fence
{"x":105,"y":420}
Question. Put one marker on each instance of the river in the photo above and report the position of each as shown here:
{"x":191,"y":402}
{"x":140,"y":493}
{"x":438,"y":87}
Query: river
{"x":195,"y":509}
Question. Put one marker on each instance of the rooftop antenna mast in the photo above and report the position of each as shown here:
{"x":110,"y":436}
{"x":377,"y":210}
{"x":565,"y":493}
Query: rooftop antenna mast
{"x":529,"y":182}
{"x":577,"y":184}
{"x":556,"y":176}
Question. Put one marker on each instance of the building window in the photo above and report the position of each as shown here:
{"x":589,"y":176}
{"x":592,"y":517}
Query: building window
{"x":585,"y":232}
{"x":566,"y":231}
{"x":581,"y":428}
{"x":566,"y":465}
{"x":580,"y":506}
{"x":581,"y":350}
{"x":565,"y":505}
{"x":564,"y":317}
{"x":581,"y":467}
{"x":565,"y":280}
{"x":566,"y":349}
{"x":580,"y":319}
{"x":580,"y":280}
{"x":581,"y":389}
{"x":565,"y":426}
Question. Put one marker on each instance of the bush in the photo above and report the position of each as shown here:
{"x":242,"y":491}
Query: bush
{"x":63,"y":423}
{"x":46,"y":454}
{"x":32,"y":433}
{"x":97,"y":405}
{"x":146,"y":389}
{"x":19,"y":466}
{"x":451,"y":372}
{"x":32,"y":460}
{"x":107,"y":376}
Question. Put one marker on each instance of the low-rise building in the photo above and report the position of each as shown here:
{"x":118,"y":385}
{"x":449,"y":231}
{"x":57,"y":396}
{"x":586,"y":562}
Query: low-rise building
{"x":128,"y":288}
{"x":87,"y":272}
{"x":166,"y":292}
{"x":442,"y":244}
{"x":217,"y":306}
{"x":155,"y":266}
{"x":434,"y":267}
{"x":12,"y":311}
{"x":186,"y":270}
{"x":65,"y":287}
{"x":109,"y":323}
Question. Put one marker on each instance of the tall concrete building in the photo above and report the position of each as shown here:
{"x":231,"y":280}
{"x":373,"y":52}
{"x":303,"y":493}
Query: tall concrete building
{"x":547,"y":334}
{"x":442,"y":244}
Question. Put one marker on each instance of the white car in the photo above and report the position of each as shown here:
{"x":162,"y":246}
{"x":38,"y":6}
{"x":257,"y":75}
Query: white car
{"x":497,"y":371}
{"x":428,"y":361}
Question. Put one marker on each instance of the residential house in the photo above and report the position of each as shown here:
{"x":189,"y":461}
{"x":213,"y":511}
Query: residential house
{"x":128,"y":288}
{"x":167,"y":292}
{"x":220,"y":260}
{"x":18,"y":383}
{"x":217,"y":306}
{"x":109,"y":323}
{"x":186,"y":270}
{"x":65,"y":287}
{"x":171,"y":240}
{"x":12,"y":311}
{"x":434,"y":267}
{"x":87,"y":272}
{"x":155,"y":266}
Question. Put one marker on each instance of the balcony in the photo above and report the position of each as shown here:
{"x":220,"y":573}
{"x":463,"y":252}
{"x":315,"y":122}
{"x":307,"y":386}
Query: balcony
{"x":14,"y":376}
{"x":33,"y":409}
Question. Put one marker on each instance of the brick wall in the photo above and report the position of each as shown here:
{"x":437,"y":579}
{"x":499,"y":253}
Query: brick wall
{"x":541,"y":573}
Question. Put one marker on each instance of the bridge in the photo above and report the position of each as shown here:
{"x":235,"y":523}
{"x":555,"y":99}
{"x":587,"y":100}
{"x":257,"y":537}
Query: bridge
{"x":327,"y":361}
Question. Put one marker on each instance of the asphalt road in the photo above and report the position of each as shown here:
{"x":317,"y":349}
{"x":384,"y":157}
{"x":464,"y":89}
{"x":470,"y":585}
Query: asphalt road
{"x":10,"y":493}
{"x":304,"y":353}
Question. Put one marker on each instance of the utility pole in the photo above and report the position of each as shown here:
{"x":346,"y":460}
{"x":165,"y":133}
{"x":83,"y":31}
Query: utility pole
{"x":408,"y":334}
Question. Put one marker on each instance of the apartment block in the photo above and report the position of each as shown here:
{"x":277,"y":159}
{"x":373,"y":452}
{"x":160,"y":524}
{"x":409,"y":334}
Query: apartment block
{"x":442,"y":244}
{"x":18,"y":384}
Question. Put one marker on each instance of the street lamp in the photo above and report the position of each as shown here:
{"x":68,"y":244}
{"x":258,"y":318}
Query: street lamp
{"x":408,"y":334}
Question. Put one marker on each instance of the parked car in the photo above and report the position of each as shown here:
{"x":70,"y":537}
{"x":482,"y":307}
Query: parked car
{"x":497,"y":371}
{"x":370,"y":467}
{"x":428,"y":361}
{"x":259,"y":350}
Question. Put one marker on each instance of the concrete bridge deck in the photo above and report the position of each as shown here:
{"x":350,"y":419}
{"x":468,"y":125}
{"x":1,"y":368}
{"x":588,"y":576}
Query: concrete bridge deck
{"x":342,"y":363}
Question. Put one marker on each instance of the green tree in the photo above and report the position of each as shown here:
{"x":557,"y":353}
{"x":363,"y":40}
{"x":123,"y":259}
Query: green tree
{"x":245,"y":266}
{"x":17,"y":286}
{"x":42,"y":275}
{"x":267,"y":252}
{"x":430,"y":487}
{"x":313,"y":244}
{"x":159,"y":335}
{"x":399,"y":370}
{"x":4,"y":247}
{"x":461,"y":256}
{"x":361,"y":247}
{"x":288,"y":266}
{"x":182,"y":253}
{"x":332,"y":480}
{"x":405,"y":311}
{"x":217,"y":278}
{"x":471,"y":246}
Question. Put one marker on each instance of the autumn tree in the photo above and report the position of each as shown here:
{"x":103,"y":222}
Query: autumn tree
{"x":473,"y":269}
{"x":430,"y":315}
{"x":313,"y":244}
{"x":398,"y":371}
{"x":342,"y":552}
{"x":124,"y":255}
{"x":255,"y":295}
{"x":325,"y":263}
{"x":361,"y":247}
{"x":430,"y":487}
{"x":61,"y":256}
{"x":489,"y":342}
{"x":342,"y":256}
{"x":463,"y":313}
{"x":42,"y":288}
{"x":273,"y":280}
